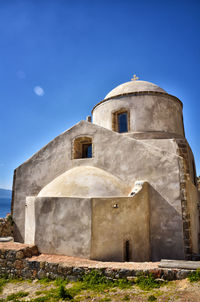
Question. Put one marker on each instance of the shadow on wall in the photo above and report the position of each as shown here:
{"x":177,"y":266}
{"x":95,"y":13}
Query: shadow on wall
{"x":166,"y":229}
{"x":17,"y":234}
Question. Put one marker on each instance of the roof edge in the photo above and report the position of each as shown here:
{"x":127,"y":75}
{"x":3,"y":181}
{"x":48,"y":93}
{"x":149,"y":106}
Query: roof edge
{"x":139,"y":93}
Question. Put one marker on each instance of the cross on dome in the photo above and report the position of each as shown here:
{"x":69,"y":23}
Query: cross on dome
{"x":135,"y":78}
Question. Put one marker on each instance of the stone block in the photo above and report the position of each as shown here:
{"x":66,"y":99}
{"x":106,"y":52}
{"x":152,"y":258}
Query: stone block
{"x":182,"y":274}
{"x":27,"y":252}
{"x":19,"y":255}
{"x":18,"y":264}
{"x":42,"y":264}
{"x":41,"y":274}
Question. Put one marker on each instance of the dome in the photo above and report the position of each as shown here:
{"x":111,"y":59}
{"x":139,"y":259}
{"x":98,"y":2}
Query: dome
{"x":134,"y":86}
{"x":85,"y":181}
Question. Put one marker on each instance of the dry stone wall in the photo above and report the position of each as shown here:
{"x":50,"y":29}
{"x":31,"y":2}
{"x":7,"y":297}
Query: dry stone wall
{"x":6,"y":227}
{"x":18,"y":264}
{"x":184,"y":175}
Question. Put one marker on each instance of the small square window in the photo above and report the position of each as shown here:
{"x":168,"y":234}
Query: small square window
{"x":82,"y":148}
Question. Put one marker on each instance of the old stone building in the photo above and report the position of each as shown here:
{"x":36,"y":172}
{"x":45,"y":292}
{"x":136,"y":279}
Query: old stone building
{"x":121,"y":188}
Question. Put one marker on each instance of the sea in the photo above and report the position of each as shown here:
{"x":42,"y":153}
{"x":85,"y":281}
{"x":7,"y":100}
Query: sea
{"x":5,"y":206}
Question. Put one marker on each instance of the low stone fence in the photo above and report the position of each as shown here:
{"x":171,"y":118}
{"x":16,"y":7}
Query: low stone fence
{"x":18,"y":263}
{"x":6,"y":227}
{"x":14,"y":263}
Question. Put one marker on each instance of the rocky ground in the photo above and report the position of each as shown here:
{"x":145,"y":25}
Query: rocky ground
{"x":44,"y":290}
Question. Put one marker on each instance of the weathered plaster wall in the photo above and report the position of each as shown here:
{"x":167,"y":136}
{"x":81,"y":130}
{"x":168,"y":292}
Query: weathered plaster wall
{"x":168,"y":145}
{"x":166,"y":227}
{"x":63,"y":226}
{"x":152,"y":135}
{"x":113,"y":226}
{"x":179,"y":147}
{"x":98,"y":228}
{"x":192,"y":195}
{"x":148,"y":112}
{"x":124,"y":157}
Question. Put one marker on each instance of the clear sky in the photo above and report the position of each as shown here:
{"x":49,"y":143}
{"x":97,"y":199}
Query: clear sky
{"x":59,"y":58}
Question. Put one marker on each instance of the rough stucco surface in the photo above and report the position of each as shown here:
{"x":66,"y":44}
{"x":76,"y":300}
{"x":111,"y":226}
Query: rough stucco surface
{"x":86,"y":181}
{"x":138,"y":160}
{"x":168,"y":145}
{"x":172,"y":146}
{"x":166,"y":228}
{"x":147,"y":113}
{"x":128,"y":221}
{"x":193,"y":210}
{"x":60,"y":221}
{"x":70,"y":225}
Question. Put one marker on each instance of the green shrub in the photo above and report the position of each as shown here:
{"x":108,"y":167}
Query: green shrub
{"x":194,"y":276}
{"x":17,"y":295}
{"x":60,"y":281}
{"x":39,"y":292}
{"x":3,"y":282}
{"x":41,"y":299}
{"x":122,"y":283}
{"x":44,"y":281}
{"x":63,"y":293}
{"x":76,"y":289}
{"x":54,"y":294}
{"x":126,"y":298}
{"x":94,"y":279}
{"x":98,"y":282}
{"x":10,"y":219}
{"x":147,"y":282}
{"x":152,"y":298}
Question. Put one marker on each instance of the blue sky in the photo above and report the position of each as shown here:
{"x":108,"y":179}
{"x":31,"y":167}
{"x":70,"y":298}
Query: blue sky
{"x":59,"y":58}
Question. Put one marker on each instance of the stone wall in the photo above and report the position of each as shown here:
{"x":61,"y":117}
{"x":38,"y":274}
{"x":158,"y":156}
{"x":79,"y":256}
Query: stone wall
{"x":192,"y":204}
{"x":17,"y":263}
{"x":187,"y":175}
{"x":6,"y":227}
{"x":13,"y":262}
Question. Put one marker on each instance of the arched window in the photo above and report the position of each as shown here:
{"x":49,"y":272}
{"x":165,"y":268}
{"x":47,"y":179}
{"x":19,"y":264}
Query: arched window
{"x":120,"y":121}
{"x":82,"y":148}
